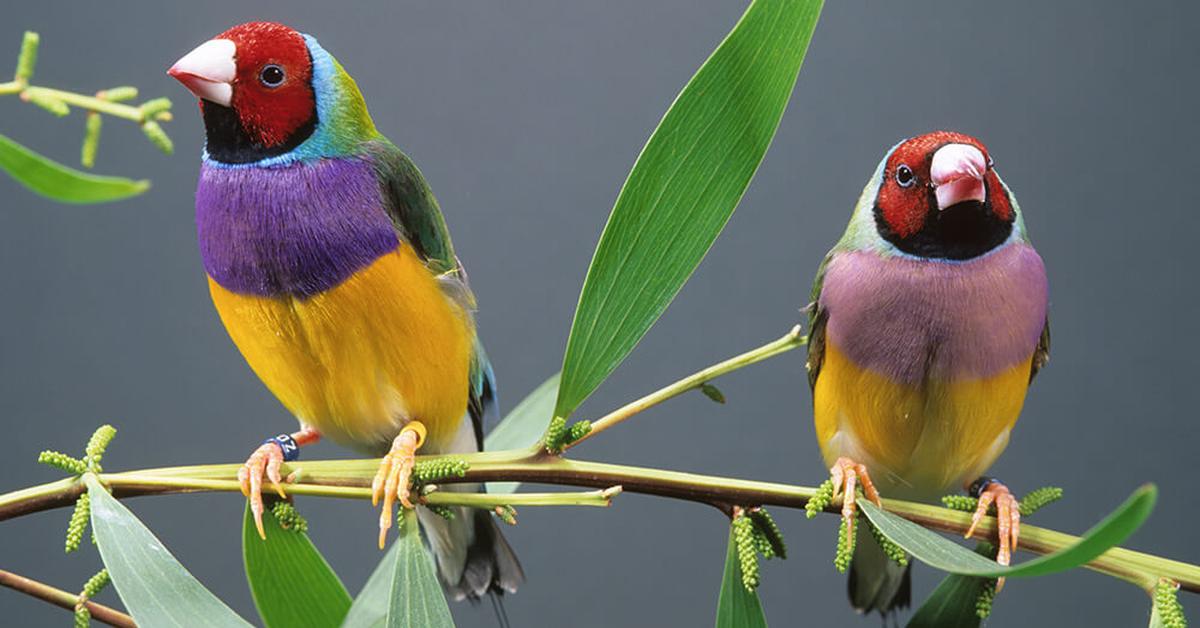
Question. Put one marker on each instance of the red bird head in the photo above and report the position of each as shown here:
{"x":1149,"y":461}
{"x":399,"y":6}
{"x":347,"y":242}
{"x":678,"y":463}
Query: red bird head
{"x":255,"y":87}
{"x":940,"y":197}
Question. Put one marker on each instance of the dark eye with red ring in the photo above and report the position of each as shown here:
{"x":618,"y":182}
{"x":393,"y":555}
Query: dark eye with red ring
{"x":271,"y":75}
{"x":905,"y":176}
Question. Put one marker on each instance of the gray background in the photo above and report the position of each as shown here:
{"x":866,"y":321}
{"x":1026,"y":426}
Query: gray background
{"x":526,"y":116}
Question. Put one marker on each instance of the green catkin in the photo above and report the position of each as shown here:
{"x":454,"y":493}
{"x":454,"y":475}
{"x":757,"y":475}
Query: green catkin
{"x":769,"y":532}
{"x":747,"y":551}
{"x":820,"y":500}
{"x":158,"y":136}
{"x":845,"y":547}
{"x":427,"y":471}
{"x":555,"y":432}
{"x":445,"y":512}
{"x":95,"y":584}
{"x":960,"y":502}
{"x":28,"y":57}
{"x":1167,"y":606}
{"x":153,"y":107}
{"x":49,"y":103}
{"x":97,"y":444}
{"x":79,"y":522}
{"x":91,"y":140}
{"x":578,"y":430}
{"x":289,"y":518}
{"x":83,"y":618}
{"x":62,"y":461}
{"x":983,"y":604}
{"x":893,"y":551}
{"x":1037,"y":499}
{"x":118,"y":94}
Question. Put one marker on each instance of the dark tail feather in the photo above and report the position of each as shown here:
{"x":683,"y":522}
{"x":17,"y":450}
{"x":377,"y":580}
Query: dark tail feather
{"x":492,"y":566}
{"x":877,"y":583}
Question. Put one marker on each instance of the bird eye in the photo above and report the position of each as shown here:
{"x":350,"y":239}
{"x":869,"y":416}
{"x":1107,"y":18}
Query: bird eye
{"x":271,"y":75}
{"x":905,"y":176}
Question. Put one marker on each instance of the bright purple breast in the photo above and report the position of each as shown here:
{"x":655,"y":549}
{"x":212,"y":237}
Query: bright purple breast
{"x":296,"y":230}
{"x":914,"y":319}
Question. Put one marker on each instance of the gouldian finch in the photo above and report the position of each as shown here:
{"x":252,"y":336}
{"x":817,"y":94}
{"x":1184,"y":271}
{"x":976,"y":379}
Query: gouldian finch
{"x":330,"y":265}
{"x":928,"y":324}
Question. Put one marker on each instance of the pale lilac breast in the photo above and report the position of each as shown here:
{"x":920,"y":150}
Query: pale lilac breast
{"x":914,"y":319}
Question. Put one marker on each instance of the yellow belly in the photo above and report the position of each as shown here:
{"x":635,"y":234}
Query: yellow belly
{"x":359,"y":360}
{"x":917,"y":441}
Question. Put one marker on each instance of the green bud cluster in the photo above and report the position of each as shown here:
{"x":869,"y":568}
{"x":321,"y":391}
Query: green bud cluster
{"x":158,"y":136}
{"x":893,"y":551}
{"x":96,"y":446}
{"x":747,"y":550}
{"x":507,"y":514}
{"x":578,"y":430}
{"x":289,"y":518}
{"x":1036,"y":499}
{"x":83,"y":618}
{"x":27,"y":59}
{"x":118,"y":94}
{"x":427,"y":471}
{"x":62,"y":461}
{"x":555,"y":435}
{"x":1167,"y":606}
{"x":47,"y":102}
{"x":819,"y":501}
{"x":983,"y":603}
{"x":845,"y":547}
{"x":154,"y":106}
{"x":91,"y":140}
{"x":95,"y":584}
{"x":445,"y":512}
{"x":79,"y":522}
{"x":960,"y":502}
{"x":767,"y":535}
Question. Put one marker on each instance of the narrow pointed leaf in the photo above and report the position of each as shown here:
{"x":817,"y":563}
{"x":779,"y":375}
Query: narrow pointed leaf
{"x":737,"y":607}
{"x":685,"y":185}
{"x":523,"y":426}
{"x":951,"y":605}
{"x":156,"y":589}
{"x":370,"y":608}
{"x":416,"y":596}
{"x":290,"y":581}
{"x":67,"y":185}
{"x":941,"y":553}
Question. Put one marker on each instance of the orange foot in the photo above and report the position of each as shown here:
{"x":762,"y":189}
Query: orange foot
{"x":1008,"y":517}
{"x":265,"y":461}
{"x":394,"y":476}
{"x":846,"y":475}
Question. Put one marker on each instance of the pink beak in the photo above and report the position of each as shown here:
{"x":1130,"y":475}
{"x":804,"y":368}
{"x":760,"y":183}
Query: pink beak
{"x":208,"y":71}
{"x":957,"y":173}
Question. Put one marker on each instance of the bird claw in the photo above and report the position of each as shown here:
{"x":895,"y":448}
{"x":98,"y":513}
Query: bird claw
{"x":846,"y":474}
{"x":393,"y":480}
{"x":1008,"y":521}
{"x":264,"y":462}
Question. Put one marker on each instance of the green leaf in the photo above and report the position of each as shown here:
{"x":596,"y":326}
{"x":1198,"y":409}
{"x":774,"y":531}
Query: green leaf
{"x":951,"y":605}
{"x":941,"y":553}
{"x":156,"y":589}
{"x":403,"y":592}
{"x":54,"y":180}
{"x":523,"y":426}
{"x":291,"y":583}
{"x":737,"y":607}
{"x":685,"y":185}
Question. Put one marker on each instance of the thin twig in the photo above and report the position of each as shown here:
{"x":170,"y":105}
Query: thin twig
{"x":789,"y":341}
{"x":64,"y":599}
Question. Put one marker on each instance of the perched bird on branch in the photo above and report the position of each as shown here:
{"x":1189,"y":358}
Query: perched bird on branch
{"x":331,"y":267}
{"x":928,"y":324}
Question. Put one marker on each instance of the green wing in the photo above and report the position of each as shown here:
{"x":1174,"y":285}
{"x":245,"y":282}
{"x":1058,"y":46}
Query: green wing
{"x":418,"y":220}
{"x":816,"y":326}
